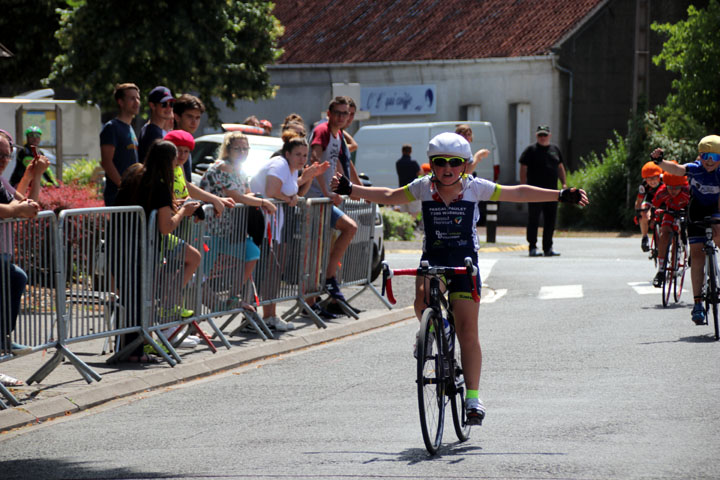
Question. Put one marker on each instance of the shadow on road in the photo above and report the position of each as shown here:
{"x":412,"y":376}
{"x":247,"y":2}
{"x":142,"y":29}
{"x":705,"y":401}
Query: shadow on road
{"x":54,"y":469}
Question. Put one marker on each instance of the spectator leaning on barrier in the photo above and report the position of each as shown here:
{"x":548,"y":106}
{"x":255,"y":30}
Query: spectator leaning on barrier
{"x":326,"y":146}
{"x":188,"y":110}
{"x":24,"y":156}
{"x":161,"y":102}
{"x":118,"y":143}
{"x":224,"y":178}
{"x":15,"y":204}
{"x":278,"y":179}
{"x":182,"y":189}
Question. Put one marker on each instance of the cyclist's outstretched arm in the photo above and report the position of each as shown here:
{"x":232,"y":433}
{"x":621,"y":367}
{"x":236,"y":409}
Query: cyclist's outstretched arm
{"x":528,"y":193}
{"x":386,"y":196}
{"x":670,"y":167}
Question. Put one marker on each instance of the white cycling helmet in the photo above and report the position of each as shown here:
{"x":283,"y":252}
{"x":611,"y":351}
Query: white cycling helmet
{"x":450,"y":144}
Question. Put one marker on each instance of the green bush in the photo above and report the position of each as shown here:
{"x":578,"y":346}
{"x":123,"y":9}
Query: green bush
{"x":397,"y":225}
{"x":84,"y":171}
{"x":605,"y":181}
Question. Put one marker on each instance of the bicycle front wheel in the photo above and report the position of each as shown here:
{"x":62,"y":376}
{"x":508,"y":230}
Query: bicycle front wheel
{"x":713,"y":293}
{"x":679,"y":267}
{"x":462,"y":429}
{"x":669,"y":275}
{"x":430,"y":380}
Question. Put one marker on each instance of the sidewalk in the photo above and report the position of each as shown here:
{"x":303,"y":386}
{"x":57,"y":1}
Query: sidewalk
{"x":64,"y":391}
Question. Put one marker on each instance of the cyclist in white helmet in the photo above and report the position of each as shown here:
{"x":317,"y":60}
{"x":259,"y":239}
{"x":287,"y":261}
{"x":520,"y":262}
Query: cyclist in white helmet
{"x":449,"y":199}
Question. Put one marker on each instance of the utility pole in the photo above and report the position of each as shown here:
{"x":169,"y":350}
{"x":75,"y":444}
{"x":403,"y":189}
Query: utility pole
{"x":641,"y":61}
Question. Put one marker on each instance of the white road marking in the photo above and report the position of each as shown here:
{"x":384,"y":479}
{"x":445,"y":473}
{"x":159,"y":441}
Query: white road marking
{"x":492,"y":296}
{"x":644,"y":288}
{"x":560,"y":291}
{"x":485,"y":265}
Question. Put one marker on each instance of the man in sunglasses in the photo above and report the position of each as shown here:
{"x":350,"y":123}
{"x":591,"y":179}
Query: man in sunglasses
{"x":541,"y":165}
{"x":326,"y":146}
{"x":118,"y":142}
{"x":704,"y":178}
{"x":161,"y":101}
{"x":449,"y":199}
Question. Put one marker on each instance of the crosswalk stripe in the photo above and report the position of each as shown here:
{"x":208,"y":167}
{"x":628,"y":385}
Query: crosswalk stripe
{"x":492,"y":296}
{"x":643,"y":288}
{"x":560,"y":291}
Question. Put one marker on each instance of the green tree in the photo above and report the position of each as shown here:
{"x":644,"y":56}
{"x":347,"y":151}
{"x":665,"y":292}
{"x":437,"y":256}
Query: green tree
{"x":691,"y":50}
{"x":28,"y":31}
{"x":213,"y":48}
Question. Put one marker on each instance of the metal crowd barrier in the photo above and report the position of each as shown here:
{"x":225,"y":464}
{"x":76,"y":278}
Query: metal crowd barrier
{"x":356,"y":264}
{"x":100,"y":262}
{"x":224,"y":269}
{"x":312,"y":237}
{"x":100,"y":273}
{"x":28,"y":255}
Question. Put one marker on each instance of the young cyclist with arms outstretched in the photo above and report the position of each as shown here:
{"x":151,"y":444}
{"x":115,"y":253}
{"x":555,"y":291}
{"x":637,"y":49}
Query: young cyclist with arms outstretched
{"x":673,"y":194}
{"x":449,"y":200}
{"x":646,"y":192}
{"x":704,"y":178}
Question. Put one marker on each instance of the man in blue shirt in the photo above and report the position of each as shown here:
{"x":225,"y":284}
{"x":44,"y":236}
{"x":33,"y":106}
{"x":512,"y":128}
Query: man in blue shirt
{"x":118,"y":143}
{"x":161,"y":103}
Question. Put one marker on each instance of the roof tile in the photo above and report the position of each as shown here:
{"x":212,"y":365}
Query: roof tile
{"x":359,"y":31}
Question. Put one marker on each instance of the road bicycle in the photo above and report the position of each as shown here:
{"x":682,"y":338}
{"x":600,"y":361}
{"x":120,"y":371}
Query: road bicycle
{"x":440,"y":377}
{"x":676,"y":258}
{"x":710,"y":292}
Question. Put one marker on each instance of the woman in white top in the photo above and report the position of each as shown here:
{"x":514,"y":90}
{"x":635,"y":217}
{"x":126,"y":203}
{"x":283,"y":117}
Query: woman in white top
{"x":279,"y":179}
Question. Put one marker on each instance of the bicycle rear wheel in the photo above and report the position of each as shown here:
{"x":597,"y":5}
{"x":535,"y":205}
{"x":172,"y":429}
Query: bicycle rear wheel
{"x":430,"y":380}
{"x":679,"y":267}
{"x":462,"y":429}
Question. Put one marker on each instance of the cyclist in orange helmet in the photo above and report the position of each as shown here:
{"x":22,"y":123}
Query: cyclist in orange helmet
{"x":673,"y":194}
{"x":646,"y":192}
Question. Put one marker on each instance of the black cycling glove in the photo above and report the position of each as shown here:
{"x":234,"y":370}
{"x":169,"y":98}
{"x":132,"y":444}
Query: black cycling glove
{"x":344,"y":186}
{"x":659,"y":159}
{"x":568,"y":195}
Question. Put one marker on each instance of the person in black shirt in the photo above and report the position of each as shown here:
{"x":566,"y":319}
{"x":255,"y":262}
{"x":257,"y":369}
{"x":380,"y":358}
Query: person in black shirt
{"x":407,"y":171}
{"x":541,"y":165}
{"x":161,"y":103}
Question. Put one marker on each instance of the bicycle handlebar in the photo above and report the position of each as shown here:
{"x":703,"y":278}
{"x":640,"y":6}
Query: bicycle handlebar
{"x":426,"y":270}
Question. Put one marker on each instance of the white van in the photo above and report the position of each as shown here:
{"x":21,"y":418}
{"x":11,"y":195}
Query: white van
{"x":379,"y":148}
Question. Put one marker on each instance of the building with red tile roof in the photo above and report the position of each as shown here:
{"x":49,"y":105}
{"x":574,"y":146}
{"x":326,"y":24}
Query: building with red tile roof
{"x":411,"y":30}
{"x":579,"y":66}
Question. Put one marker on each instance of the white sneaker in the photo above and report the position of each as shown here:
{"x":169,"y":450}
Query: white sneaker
{"x":188,"y":343}
{"x":474,"y":411}
{"x":278,"y":324}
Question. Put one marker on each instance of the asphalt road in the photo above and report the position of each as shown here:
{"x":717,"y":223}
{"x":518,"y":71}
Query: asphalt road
{"x":586,"y":376}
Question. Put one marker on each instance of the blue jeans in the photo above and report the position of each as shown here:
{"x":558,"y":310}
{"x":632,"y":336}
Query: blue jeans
{"x":10,"y":306}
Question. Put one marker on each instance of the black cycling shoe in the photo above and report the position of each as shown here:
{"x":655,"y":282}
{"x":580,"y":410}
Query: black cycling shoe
{"x":645,"y":244}
{"x":336,"y":309}
{"x":659,"y":279}
{"x":322,"y":313}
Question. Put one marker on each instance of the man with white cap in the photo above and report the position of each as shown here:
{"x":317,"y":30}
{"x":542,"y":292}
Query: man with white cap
{"x":449,"y":199}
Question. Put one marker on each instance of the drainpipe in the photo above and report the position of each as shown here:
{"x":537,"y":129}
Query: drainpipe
{"x":570,"y":101}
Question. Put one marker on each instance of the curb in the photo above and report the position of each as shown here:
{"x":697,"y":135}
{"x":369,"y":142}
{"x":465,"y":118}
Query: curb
{"x":98,"y":393}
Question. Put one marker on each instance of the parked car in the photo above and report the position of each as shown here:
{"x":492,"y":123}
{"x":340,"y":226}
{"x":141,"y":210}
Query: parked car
{"x":381,"y":146}
{"x":261,"y":148}
{"x":207,"y":148}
